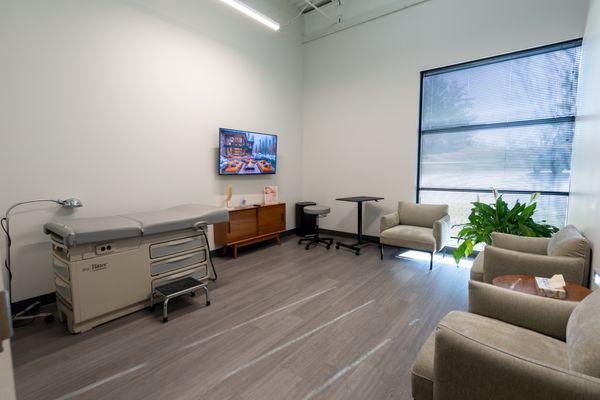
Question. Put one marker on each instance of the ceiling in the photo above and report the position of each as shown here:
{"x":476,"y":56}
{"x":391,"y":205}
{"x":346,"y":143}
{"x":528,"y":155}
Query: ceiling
{"x":336,"y":15}
{"x":303,"y":5}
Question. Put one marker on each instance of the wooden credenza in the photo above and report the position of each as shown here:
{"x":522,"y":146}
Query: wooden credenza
{"x":249,"y":225}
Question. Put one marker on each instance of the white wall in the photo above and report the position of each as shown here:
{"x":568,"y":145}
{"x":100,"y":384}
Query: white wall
{"x":119,"y":103}
{"x":361,"y":102}
{"x":584,"y":206}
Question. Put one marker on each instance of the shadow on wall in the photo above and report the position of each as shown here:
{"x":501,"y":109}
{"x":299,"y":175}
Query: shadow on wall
{"x":28,"y":273}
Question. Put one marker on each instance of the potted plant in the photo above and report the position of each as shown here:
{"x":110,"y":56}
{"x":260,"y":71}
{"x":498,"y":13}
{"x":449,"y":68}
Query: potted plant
{"x":498,"y":217}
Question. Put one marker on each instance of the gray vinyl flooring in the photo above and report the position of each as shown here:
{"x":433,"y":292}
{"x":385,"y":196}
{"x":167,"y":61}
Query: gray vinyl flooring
{"x":285,"y":323}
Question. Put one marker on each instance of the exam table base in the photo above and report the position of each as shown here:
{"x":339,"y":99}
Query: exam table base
{"x":65,"y":314}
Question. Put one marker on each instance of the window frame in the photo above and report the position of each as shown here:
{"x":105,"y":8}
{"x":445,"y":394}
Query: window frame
{"x":480,"y":62}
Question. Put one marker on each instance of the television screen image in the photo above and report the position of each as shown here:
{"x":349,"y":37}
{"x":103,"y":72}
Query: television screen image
{"x":246,"y":153}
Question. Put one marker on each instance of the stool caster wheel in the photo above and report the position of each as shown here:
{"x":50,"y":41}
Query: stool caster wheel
{"x":193,"y":294}
{"x":337,"y":247}
{"x":307,"y":247}
{"x":49,"y":319}
{"x":357,"y":253}
{"x":165,"y":320}
{"x":300,"y":241}
{"x":328,"y":247}
{"x":207,"y":303}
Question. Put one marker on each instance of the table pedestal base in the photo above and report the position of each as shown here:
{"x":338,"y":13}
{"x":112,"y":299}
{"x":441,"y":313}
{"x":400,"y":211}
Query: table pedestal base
{"x":354,"y":246}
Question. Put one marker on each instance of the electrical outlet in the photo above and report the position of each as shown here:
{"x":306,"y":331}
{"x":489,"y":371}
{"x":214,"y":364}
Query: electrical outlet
{"x":104,"y":248}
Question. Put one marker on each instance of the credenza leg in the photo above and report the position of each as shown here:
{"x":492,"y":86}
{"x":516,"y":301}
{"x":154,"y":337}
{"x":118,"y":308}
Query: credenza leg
{"x":278,"y":239}
{"x":235,"y":251}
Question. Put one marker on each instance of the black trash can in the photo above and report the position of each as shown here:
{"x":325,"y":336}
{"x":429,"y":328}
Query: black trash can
{"x":305,"y":223}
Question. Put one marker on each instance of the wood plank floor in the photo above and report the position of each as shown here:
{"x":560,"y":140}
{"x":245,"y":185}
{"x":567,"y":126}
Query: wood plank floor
{"x":285,"y":323}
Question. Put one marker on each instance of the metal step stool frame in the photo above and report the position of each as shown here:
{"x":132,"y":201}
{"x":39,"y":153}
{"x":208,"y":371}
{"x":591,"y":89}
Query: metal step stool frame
{"x":192,"y":289}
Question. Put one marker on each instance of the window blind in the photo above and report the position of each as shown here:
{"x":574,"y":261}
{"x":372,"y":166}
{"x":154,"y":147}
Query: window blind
{"x":506,"y":123}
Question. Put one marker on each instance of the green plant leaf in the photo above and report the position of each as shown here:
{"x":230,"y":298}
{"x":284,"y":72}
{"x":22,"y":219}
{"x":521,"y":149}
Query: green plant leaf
{"x":485,"y":219}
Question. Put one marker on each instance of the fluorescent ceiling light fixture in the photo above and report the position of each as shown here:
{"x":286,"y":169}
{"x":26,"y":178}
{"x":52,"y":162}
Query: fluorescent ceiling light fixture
{"x":252,"y":13}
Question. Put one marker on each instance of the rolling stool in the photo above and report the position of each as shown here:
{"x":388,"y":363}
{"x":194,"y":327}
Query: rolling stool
{"x":320,"y":212}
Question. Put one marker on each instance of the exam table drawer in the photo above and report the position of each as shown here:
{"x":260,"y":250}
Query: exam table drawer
{"x":172,"y":264}
{"x":63,"y":289}
{"x":177,"y":246}
{"x":61,"y":268}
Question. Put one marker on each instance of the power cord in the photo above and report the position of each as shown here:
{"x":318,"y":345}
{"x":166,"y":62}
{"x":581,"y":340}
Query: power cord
{"x":9,"y":242}
{"x":212,"y":265}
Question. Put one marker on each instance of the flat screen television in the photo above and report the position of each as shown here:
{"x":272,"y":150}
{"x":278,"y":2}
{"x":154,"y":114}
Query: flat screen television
{"x":247,"y":153}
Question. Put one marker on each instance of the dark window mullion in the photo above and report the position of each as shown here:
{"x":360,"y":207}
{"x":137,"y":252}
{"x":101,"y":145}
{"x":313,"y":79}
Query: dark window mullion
{"x":507,"y":191}
{"x":498,"y":125}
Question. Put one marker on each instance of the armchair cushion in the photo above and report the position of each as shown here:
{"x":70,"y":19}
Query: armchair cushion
{"x":498,"y":361}
{"x":583,"y":341}
{"x":477,"y":267}
{"x":508,"y":338}
{"x":411,"y":237}
{"x":499,"y":262}
{"x":389,"y":221}
{"x":441,"y":231}
{"x":479,"y":329}
{"x":569,"y":242}
{"x":423,"y":215}
{"x":422,"y":371}
{"x":535,"y":245}
{"x":540,"y":314}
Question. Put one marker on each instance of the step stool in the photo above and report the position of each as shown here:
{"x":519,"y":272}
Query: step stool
{"x":175,"y":289}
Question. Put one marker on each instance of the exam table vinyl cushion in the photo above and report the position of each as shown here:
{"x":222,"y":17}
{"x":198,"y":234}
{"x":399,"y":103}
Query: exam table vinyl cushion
{"x":78,"y":231}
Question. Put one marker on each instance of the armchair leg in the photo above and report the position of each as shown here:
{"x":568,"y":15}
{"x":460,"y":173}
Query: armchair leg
{"x":431,"y":262}
{"x":381,"y":250}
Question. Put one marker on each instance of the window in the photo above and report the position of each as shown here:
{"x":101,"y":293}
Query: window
{"x":506,"y":123}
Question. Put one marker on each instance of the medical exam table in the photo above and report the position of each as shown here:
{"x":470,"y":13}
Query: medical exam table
{"x":108,"y":267}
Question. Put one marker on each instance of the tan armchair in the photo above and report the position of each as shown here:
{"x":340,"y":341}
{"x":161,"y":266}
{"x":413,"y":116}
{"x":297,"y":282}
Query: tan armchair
{"x":513,"y":346}
{"x":424,"y":227}
{"x":568,"y":253}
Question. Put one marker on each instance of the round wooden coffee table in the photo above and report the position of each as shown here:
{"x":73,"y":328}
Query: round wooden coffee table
{"x":526,"y":284}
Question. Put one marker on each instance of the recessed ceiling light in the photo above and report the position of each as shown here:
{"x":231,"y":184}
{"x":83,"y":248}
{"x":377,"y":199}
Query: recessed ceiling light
{"x":252,"y":13}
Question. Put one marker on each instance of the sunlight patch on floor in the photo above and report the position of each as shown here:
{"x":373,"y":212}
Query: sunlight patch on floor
{"x":437,"y":259}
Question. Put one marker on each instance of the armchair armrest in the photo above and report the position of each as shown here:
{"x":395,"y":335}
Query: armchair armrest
{"x":535,"y":245}
{"x":536,"y":313}
{"x":441,"y":231}
{"x":389,"y":221}
{"x":497,"y":262}
{"x":468,"y":369}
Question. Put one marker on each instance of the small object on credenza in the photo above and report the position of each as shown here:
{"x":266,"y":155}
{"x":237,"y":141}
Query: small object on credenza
{"x":271,"y":194}
{"x":228,"y":197}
